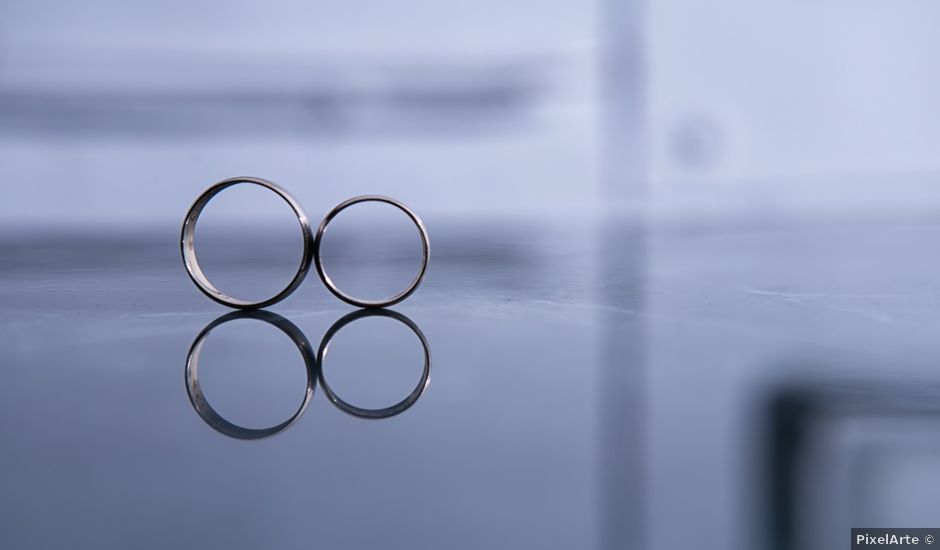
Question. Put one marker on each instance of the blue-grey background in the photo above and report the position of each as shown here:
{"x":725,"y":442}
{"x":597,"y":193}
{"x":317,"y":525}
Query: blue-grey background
{"x":683,"y":287}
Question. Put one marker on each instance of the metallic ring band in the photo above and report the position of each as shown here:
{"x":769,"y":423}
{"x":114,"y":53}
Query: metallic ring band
{"x":425,"y":250}
{"x":188,"y":250}
{"x":407,"y":402}
{"x":214,"y":419}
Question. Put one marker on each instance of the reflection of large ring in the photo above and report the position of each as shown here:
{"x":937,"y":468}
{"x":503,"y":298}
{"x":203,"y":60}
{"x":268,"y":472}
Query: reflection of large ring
{"x":425,"y":252}
{"x":374,"y":413}
{"x":202,"y":406}
{"x":189,"y":252}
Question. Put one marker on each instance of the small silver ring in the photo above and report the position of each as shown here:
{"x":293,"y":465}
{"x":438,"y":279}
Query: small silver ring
{"x":198,"y":399}
{"x":425,"y":251}
{"x":387,"y":412}
{"x":188,"y":249}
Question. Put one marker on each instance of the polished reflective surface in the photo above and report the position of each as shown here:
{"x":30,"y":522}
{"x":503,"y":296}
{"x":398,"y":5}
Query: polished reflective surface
{"x":628,"y":384}
{"x":103,"y":448}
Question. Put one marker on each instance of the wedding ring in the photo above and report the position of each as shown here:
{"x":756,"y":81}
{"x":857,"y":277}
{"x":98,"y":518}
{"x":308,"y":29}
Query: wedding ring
{"x":318,"y":261}
{"x":198,"y":399}
{"x":407,"y":402}
{"x":188,"y":249}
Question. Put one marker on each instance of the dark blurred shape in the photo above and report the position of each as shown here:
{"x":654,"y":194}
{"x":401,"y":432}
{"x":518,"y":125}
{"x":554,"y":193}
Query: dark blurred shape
{"x":340,"y":98}
{"x":623,"y":401}
{"x":696,"y":143}
{"x":823,"y":437}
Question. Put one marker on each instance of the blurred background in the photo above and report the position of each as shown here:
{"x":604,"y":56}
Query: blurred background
{"x":708,"y":231}
{"x":764,"y":105}
{"x":453,"y":108}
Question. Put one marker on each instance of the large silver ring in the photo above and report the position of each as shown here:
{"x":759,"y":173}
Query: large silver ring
{"x":198,"y":399}
{"x":188,"y":249}
{"x":404,"y":404}
{"x":425,"y":251}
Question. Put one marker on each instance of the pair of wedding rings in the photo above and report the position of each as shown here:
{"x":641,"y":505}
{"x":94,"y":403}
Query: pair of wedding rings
{"x":311,"y":249}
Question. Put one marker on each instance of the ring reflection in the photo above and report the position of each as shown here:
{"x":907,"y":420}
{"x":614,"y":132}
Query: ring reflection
{"x":313,"y":364}
{"x":198,"y":399}
{"x":387,"y":412}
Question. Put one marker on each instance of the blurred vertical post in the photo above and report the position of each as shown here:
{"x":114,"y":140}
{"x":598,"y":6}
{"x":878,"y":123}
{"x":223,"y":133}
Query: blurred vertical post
{"x":621,"y":270}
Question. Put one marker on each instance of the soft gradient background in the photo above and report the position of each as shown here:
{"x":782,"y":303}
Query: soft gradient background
{"x":684,"y":287}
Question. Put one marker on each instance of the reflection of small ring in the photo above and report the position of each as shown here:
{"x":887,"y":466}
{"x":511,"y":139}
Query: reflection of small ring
{"x":189,"y":252}
{"x":425,"y":252}
{"x":202,"y":406}
{"x":388,"y":411}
